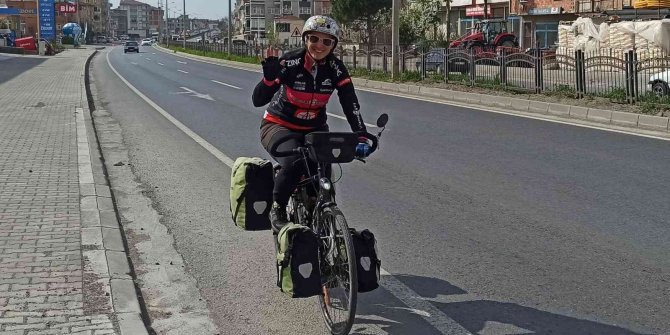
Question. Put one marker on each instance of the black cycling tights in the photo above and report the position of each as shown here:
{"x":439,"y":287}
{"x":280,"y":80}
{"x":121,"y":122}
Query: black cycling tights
{"x":292,"y":167}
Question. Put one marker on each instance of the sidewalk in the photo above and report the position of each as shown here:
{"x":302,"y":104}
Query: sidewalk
{"x":63,"y":266}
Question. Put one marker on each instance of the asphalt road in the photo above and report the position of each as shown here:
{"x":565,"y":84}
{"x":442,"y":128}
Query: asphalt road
{"x":495,"y":224}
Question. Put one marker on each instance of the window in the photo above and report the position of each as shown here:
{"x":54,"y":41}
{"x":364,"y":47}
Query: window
{"x":514,"y":25}
{"x":287,"y":9}
{"x":465,"y":24}
{"x":305,"y":10}
{"x":257,"y":10}
{"x":325,"y":10}
{"x":546,"y":34}
{"x":283,"y":27}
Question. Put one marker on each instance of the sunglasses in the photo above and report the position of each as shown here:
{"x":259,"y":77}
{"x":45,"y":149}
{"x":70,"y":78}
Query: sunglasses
{"x":325,"y":41}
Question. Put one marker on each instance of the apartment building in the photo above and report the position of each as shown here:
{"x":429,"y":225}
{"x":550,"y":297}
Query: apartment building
{"x":93,"y":14}
{"x":155,"y":20}
{"x":138,"y":17}
{"x":251,"y":17}
{"x":176,"y":24}
{"x":119,"y":18}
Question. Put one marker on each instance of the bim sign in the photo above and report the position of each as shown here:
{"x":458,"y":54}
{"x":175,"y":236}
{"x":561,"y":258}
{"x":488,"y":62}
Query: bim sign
{"x":66,"y":8}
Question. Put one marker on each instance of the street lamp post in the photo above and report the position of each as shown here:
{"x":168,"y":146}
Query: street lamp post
{"x":230,"y":19}
{"x":167,"y":24}
{"x":184,"y":24}
{"x":395,"y":38}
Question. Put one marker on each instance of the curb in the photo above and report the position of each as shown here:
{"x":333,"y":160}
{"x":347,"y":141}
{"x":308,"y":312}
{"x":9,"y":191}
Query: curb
{"x":104,"y":252}
{"x":630,"y":120}
{"x":623,"y":119}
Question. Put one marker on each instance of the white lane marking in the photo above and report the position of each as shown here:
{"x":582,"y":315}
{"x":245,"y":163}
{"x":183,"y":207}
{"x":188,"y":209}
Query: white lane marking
{"x":484,"y":109}
{"x":344,"y":118}
{"x":161,"y":64}
{"x":411,"y":299}
{"x":224,"y":84}
{"x":147,"y":58}
{"x":418,"y":306}
{"x":180,"y":62}
{"x":182,"y":71}
{"x":195,"y":94}
{"x":214,"y":151}
{"x":205,"y":61}
{"x":153,"y":53}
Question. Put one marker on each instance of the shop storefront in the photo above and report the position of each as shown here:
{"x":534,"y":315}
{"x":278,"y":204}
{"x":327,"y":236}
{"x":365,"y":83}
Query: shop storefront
{"x":465,"y":13}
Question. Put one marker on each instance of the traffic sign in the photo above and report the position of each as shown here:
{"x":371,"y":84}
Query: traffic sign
{"x":296,"y":32}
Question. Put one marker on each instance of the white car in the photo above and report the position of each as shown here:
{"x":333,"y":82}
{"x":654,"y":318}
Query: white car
{"x":146,"y":41}
{"x":658,"y":83}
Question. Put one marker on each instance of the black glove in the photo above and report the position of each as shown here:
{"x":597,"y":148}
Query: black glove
{"x":271,"y":68}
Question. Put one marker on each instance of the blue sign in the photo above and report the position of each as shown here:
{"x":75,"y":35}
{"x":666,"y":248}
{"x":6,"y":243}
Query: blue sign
{"x":47,"y":20}
{"x":9,"y":11}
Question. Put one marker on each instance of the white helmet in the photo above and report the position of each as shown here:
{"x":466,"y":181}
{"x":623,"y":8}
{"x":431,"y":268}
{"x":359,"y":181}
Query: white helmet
{"x":322,"y":24}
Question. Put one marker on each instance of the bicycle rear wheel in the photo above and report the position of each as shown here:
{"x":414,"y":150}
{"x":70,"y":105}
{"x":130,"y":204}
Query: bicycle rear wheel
{"x":338,"y":271}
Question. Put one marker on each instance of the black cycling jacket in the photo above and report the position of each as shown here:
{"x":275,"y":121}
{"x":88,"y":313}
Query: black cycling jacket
{"x":298,"y":97}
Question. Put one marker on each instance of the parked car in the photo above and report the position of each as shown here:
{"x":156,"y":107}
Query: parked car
{"x":146,"y":41}
{"x":131,"y":46}
{"x":434,"y":60}
{"x":101,"y":39}
{"x":658,"y":83}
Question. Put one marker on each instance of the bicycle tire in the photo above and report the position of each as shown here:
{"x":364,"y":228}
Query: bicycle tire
{"x":346,"y":247}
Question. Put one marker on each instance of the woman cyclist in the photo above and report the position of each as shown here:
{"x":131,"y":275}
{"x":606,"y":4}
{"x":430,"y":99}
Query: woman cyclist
{"x":297,"y":87}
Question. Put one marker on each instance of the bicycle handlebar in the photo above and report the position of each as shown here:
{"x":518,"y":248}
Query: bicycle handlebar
{"x":290,"y":136}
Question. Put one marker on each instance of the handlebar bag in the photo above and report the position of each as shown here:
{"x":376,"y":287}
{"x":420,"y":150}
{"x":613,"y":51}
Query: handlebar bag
{"x":251,"y":184}
{"x":298,"y":271}
{"x":331,"y":147}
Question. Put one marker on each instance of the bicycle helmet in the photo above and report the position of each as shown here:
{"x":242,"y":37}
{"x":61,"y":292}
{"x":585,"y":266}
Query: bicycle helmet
{"x":322,"y":24}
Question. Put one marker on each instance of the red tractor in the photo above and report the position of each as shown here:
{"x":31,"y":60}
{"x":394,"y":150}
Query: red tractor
{"x":487,"y":34}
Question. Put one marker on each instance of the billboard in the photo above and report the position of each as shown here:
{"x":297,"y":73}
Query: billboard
{"x":47,"y":19}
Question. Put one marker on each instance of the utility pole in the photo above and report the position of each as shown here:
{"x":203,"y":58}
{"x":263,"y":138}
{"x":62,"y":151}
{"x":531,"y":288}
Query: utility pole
{"x":230,"y":29}
{"x":167,"y":23}
{"x":184,"y":23}
{"x":395,"y":38}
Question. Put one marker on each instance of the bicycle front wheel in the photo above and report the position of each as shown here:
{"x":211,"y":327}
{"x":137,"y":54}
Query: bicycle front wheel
{"x":338,"y":271}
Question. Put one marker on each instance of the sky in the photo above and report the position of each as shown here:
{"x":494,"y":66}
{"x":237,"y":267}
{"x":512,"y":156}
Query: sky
{"x":202,"y":9}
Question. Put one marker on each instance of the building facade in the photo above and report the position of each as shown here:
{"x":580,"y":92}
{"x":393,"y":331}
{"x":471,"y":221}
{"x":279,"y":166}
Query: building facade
{"x":538,"y":20}
{"x":119,"y":22}
{"x":252,"y":18}
{"x":138,"y":17}
{"x":91,"y":14}
{"x":155,"y":20}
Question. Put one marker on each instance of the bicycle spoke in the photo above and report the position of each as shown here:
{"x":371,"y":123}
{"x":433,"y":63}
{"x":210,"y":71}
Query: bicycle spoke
{"x":339,"y":307}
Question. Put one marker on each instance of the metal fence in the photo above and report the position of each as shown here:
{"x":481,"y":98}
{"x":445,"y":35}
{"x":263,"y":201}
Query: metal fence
{"x":622,"y":76}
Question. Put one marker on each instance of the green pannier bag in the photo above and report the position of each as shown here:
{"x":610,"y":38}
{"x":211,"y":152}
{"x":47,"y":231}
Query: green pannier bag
{"x":298,"y":272}
{"x":251,"y":184}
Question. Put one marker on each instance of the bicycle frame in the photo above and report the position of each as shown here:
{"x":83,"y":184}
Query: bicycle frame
{"x":325,"y":197}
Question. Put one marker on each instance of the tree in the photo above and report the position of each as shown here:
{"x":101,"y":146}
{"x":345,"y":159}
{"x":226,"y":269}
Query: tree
{"x":360,"y":15}
{"x":271,"y":35}
{"x":223,"y":26}
{"x":424,"y":15}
